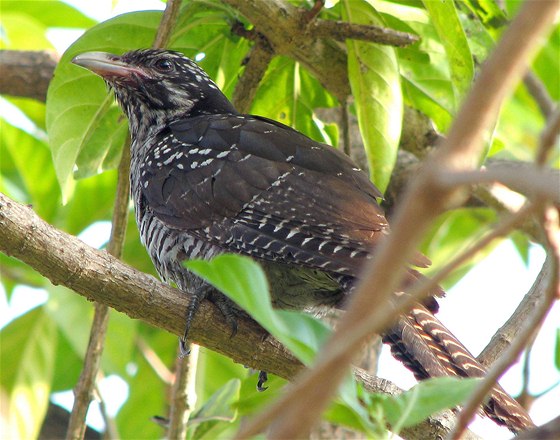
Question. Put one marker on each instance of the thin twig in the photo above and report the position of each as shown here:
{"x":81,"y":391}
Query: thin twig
{"x":84,"y":390}
{"x":422,"y":288}
{"x":184,"y":393}
{"x":345,"y":125}
{"x":507,"y":332}
{"x":525,"y":398}
{"x":167,"y":23}
{"x":111,"y":431}
{"x":343,"y":30}
{"x":310,"y":14}
{"x":299,"y":408}
{"x":531,"y":181}
{"x":154,"y":361}
{"x":258,"y":59}
{"x":549,"y":137}
{"x":539,"y":93}
{"x":550,"y":226}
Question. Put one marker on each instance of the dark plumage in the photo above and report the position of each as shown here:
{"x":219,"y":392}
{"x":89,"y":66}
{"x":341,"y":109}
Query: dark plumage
{"x":207,"y":180}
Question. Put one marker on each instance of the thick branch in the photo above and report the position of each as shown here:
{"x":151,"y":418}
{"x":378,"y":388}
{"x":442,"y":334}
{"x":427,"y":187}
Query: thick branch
{"x":92,"y":273}
{"x":342,"y":30}
{"x":258,"y":59}
{"x":26,"y":73}
{"x":281,"y":24}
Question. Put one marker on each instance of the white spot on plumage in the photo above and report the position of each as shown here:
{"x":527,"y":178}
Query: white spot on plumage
{"x":292,"y":233}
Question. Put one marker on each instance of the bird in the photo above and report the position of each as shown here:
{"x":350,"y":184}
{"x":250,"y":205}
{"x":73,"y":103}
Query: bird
{"x":207,"y":180}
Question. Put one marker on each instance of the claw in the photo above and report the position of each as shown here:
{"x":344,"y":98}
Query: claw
{"x":194,"y":303}
{"x":263,"y":377}
{"x":184,"y":347}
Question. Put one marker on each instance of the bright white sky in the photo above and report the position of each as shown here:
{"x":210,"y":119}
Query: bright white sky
{"x":474,"y":309}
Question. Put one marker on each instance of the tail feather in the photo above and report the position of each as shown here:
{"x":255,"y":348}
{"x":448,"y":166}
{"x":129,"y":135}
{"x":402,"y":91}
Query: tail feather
{"x":428,"y":349}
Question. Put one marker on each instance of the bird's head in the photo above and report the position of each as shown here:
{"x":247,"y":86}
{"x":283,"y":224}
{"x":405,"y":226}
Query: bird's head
{"x":156,"y":86}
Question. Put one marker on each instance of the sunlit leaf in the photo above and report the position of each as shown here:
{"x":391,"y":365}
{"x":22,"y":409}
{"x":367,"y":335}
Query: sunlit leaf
{"x":373,"y":72}
{"x":446,"y":21}
{"x":289,"y":94}
{"x":37,"y":174}
{"x":146,"y":399}
{"x":426,"y":398}
{"x":28,"y":356}
{"x":23,"y":32}
{"x":244,"y":281}
{"x":488,"y":11}
{"x":423,"y":66}
{"x":50,"y":13}
{"x":207,"y":422}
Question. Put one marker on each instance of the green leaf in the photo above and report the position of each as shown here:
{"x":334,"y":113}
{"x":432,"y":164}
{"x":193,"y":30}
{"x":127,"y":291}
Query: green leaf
{"x":23,"y":32}
{"x":446,"y":21}
{"x":289,"y":94}
{"x":546,"y":64}
{"x":68,"y":365}
{"x":72,"y":315}
{"x":38,"y":174}
{"x":146,"y":398}
{"x":213,"y":371}
{"x":216,"y":413}
{"x":49,"y":13}
{"x":244,"y":281}
{"x":79,"y":212}
{"x":423,"y":66}
{"x":488,"y":11}
{"x":373,"y":72}
{"x":426,"y":398}
{"x":27,"y":355}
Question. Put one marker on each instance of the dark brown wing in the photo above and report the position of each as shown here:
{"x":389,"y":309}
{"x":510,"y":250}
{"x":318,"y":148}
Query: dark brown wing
{"x":265,"y":190}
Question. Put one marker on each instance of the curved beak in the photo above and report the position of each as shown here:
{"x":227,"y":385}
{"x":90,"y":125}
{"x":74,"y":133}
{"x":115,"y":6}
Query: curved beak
{"x":107,"y":65}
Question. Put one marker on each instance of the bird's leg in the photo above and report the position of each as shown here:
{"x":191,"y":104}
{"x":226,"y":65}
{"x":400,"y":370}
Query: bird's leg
{"x":194,"y":303}
{"x":227,"y":307}
{"x":223,"y":303}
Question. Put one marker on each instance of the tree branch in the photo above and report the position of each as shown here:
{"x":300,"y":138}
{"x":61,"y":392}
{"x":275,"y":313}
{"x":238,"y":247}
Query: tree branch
{"x":258,"y":59}
{"x":342,"y":30}
{"x":279,"y":21}
{"x":26,"y":73}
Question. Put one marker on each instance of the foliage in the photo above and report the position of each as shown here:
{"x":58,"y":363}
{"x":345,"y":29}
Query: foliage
{"x":71,"y":183}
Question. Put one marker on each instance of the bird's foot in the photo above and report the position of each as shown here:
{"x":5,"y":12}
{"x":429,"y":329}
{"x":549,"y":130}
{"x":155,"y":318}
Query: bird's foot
{"x":263,"y":377}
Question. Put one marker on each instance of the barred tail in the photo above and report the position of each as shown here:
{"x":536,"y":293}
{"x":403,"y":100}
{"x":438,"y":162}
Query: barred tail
{"x":428,"y":349}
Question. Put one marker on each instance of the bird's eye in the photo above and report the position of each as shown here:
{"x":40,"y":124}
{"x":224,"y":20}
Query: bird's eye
{"x":164,"y":65}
